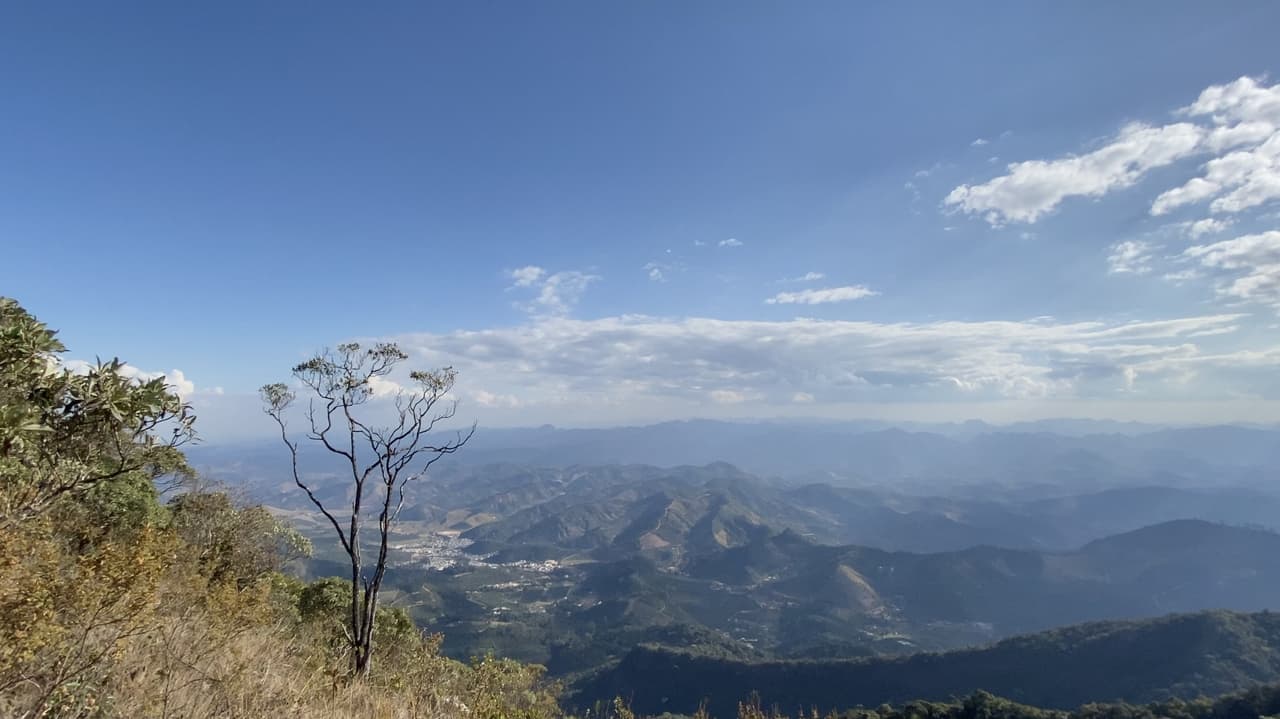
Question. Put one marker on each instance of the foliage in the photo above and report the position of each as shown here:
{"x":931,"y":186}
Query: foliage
{"x":65,"y":617}
{"x":110,"y":511}
{"x":112,"y":604}
{"x":323,"y":606}
{"x":63,"y":432}
{"x":1262,"y":701}
{"x":231,"y":542}
{"x":1181,"y":656}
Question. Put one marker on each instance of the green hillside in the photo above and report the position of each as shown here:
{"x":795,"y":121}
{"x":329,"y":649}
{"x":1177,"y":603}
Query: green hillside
{"x":1177,"y":656}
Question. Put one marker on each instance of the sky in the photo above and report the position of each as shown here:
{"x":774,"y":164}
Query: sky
{"x":609,"y":213}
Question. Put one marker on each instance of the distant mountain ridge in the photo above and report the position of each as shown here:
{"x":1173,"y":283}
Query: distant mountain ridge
{"x":880,"y":452}
{"x":1087,"y":455}
{"x":619,"y":508}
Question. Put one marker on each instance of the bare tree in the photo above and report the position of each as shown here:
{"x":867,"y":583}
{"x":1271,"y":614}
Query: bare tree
{"x":381,"y":459}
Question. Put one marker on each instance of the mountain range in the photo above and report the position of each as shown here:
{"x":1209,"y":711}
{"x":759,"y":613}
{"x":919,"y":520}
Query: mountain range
{"x":969,"y":535}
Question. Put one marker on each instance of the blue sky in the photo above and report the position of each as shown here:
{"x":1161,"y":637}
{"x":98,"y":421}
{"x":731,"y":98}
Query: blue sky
{"x":605,"y":213}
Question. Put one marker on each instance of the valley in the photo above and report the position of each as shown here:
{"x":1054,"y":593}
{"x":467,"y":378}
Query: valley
{"x":572,"y":566}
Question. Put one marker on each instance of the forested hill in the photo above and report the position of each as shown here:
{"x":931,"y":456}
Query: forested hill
{"x":1178,"y":656}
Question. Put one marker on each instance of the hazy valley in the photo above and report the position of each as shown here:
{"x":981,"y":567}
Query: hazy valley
{"x":573,"y":565}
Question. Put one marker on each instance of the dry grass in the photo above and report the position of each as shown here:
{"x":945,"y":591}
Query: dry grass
{"x":134,"y":631}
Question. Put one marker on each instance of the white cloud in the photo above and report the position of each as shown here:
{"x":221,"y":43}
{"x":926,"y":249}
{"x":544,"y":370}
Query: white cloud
{"x":613,"y":367}
{"x":1244,"y":252}
{"x":1245,"y":133}
{"x":527,"y":276}
{"x":1181,"y":276}
{"x":557,"y":293}
{"x":1246,"y":115}
{"x":1033,"y":188}
{"x":806,"y":277}
{"x":175,"y":379}
{"x":1238,"y":181}
{"x":822,"y":296}
{"x":1131,"y":256}
{"x":1250,"y":266}
{"x":726,"y":396}
{"x":1195,"y":190}
{"x":383,"y":387}
{"x":1207,"y":226}
{"x":731,"y":242}
{"x":1242,"y":101}
{"x":656,"y":271}
{"x":485,"y":398}
{"x":979,"y":142}
{"x":1240,"y":119}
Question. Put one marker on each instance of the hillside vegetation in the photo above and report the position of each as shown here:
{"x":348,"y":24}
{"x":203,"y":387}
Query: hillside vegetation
{"x":127,"y":588}
{"x":1178,"y":657}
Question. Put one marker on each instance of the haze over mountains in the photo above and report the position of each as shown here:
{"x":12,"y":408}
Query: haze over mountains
{"x":1084,"y":453}
{"x":880,"y":451}
{"x":759,"y":541}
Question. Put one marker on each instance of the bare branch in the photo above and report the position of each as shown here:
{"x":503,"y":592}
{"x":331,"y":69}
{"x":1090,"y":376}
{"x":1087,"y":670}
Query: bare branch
{"x":297,"y":479}
{"x":341,"y":380}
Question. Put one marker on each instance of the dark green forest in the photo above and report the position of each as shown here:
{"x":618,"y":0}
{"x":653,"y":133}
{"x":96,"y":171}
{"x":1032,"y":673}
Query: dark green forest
{"x":1177,"y":657}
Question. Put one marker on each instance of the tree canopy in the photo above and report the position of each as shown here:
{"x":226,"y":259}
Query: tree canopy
{"x":64,"y":432}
